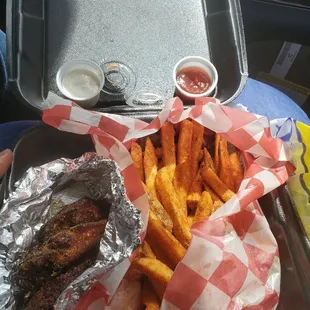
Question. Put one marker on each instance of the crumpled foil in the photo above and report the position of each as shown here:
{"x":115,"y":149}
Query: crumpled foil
{"x":41,"y":193}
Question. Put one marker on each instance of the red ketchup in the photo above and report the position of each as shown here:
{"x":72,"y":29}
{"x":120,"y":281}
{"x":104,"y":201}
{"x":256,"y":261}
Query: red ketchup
{"x":193,"y":80}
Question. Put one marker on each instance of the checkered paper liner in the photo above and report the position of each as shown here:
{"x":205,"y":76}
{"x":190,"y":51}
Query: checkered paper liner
{"x":233,"y":260}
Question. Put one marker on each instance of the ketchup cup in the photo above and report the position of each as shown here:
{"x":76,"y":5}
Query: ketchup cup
{"x":205,"y":69}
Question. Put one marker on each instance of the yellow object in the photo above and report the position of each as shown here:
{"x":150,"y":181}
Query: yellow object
{"x":299,"y":184}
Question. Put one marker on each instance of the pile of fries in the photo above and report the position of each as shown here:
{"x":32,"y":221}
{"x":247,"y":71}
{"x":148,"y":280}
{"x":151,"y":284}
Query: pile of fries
{"x":185,"y":184}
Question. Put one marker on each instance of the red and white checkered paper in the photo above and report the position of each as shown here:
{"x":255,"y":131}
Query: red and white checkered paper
{"x":233,"y":260}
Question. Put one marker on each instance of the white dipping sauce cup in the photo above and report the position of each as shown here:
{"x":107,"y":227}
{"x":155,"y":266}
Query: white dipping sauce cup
{"x":202,"y":63}
{"x":90,"y":73}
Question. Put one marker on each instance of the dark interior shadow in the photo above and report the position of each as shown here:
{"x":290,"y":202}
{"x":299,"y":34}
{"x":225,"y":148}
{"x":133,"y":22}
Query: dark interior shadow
{"x":224,"y":52}
{"x":43,"y":31}
{"x":37,"y":147}
{"x":60,"y":20}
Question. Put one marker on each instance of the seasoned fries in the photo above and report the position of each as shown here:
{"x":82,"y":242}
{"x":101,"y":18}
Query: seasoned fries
{"x":182,"y":181}
{"x":173,"y":206}
{"x":150,"y":166}
{"x":167,"y":140}
{"x":214,"y":196}
{"x":217,"y":153}
{"x":185,"y":142}
{"x":237,"y":171}
{"x":157,"y":250}
{"x":204,"y":208}
{"x":170,"y":246}
{"x":197,"y":140}
{"x":183,"y":173}
{"x":137,"y":158}
{"x":185,"y":184}
{"x":155,"y":270}
{"x":207,"y":159}
{"x":159,"y":210}
{"x":220,"y":188}
{"x":195,"y":192}
{"x":161,"y":213}
{"x":147,"y":251}
{"x":225,"y":172}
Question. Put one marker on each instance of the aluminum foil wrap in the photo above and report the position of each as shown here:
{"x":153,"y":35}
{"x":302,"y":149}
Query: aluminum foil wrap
{"x":41,"y":193}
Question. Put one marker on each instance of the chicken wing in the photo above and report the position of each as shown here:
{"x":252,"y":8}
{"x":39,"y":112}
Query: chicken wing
{"x":45,"y":298}
{"x":64,"y":248}
{"x":79,"y":212}
{"x":66,"y":245}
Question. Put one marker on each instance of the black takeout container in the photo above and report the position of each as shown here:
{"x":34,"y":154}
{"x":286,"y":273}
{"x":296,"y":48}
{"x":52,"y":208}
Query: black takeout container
{"x":44,"y":34}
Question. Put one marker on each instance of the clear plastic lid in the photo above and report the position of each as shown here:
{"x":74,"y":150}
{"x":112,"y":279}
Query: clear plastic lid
{"x":121,"y":83}
{"x":120,"y":79}
{"x":146,"y":98}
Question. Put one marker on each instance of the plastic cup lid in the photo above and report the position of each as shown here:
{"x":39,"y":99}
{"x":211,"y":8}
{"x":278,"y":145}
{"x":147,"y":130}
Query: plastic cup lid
{"x":120,"y":79}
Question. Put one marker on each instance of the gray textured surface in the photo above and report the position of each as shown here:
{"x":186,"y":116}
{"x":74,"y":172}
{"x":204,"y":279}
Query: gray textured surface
{"x":150,"y":36}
